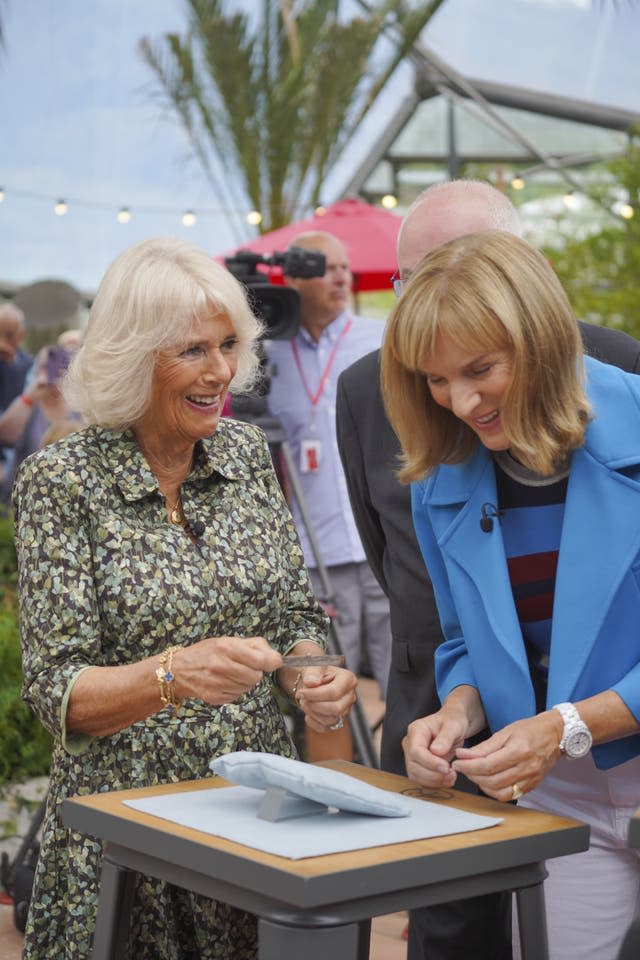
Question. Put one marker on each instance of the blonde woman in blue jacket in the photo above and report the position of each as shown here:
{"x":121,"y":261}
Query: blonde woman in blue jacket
{"x":524,"y":459}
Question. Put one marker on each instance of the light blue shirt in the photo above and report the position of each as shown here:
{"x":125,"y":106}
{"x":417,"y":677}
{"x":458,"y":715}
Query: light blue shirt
{"x":325,"y":489}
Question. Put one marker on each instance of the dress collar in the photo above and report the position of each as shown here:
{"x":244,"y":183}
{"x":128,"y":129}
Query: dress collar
{"x":215,"y":454}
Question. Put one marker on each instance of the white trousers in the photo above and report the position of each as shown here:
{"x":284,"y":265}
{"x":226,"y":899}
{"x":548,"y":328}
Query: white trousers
{"x":591,"y":897}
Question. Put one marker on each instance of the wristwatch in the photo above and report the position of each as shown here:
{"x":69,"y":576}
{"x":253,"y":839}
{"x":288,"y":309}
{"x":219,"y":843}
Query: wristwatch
{"x":576,"y":737}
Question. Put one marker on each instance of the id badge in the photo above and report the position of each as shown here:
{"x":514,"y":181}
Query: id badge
{"x":310,"y":453}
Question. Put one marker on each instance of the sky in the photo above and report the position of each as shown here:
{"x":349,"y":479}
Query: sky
{"x":79,"y":122}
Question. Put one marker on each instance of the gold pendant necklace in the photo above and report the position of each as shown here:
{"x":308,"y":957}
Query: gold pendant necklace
{"x":175,"y":513}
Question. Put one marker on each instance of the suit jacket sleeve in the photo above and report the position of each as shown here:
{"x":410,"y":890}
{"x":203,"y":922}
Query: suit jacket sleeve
{"x":365,"y":514}
{"x":611,"y":346}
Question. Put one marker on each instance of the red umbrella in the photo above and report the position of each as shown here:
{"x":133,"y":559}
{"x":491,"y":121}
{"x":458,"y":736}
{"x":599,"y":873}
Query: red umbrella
{"x":369,"y":233}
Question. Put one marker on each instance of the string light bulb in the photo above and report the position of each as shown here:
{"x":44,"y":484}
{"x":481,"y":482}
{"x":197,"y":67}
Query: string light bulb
{"x":627,"y":211}
{"x":123,"y":215}
{"x":254,"y":217}
{"x":389,"y":201}
{"x":570,"y":200}
{"x":320,"y":211}
{"x":188,"y":218}
{"x":60,"y":208}
{"x":1,"y":194}
{"x":517,"y":183}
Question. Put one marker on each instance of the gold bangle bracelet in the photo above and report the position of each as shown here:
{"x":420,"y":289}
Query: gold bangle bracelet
{"x":166,"y":677}
{"x":296,"y":684}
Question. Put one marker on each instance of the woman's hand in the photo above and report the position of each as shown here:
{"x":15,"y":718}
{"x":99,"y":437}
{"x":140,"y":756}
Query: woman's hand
{"x":432,"y":742}
{"x":520,"y":754}
{"x":325,"y":695}
{"x":429,"y":747}
{"x":220,"y":669}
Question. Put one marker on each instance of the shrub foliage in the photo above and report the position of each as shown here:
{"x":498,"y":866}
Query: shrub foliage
{"x":25,"y":746}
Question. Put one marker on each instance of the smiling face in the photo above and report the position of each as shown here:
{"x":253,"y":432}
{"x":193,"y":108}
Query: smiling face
{"x":472,"y":384}
{"x":189,"y":386}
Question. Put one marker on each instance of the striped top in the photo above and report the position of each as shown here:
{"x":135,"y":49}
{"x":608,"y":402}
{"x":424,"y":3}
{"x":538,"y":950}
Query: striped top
{"x":532,"y":510}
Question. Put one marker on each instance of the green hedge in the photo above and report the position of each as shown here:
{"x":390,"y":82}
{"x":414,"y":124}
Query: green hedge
{"x":25,"y":745}
{"x":8,"y":563}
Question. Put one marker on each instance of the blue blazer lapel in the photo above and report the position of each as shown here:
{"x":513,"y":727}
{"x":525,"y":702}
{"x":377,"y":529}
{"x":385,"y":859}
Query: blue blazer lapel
{"x":456,"y":502}
{"x":600,"y":539}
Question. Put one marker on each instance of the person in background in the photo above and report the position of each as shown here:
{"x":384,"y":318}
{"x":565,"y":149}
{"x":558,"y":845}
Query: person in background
{"x":524,"y":464}
{"x":24,"y":422}
{"x":161,"y":581}
{"x":381,"y":505}
{"x":70,"y":339}
{"x":304,"y":373}
{"x":14,"y":364}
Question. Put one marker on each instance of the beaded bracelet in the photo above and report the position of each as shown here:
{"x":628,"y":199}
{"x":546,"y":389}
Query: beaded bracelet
{"x":165,"y":677}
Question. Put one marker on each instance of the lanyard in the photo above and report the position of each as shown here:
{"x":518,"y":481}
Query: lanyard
{"x":315,"y":397}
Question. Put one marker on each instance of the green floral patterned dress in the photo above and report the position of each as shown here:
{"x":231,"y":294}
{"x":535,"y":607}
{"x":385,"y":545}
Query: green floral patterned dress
{"x":106,"y":580}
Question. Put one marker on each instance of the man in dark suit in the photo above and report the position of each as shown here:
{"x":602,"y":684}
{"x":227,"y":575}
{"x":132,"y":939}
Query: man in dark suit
{"x":478,"y":928}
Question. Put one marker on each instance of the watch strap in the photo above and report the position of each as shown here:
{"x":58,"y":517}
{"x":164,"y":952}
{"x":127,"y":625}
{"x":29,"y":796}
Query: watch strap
{"x":573,"y":723}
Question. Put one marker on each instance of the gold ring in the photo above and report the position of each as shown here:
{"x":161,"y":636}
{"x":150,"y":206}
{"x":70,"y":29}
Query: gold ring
{"x":516,"y":792}
{"x":338,"y":725}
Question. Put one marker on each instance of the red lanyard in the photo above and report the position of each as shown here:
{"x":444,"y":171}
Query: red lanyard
{"x":315,"y":397}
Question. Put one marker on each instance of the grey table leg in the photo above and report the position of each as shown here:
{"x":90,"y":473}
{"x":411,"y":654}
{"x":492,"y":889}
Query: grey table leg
{"x":532,"y":923}
{"x":114,"y":908}
{"x":279,"y":941}
{"x":364,"y":942}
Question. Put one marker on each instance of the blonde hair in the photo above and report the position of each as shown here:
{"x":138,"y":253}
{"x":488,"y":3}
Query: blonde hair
{"x":147,"y":301}
{"x":486,"y":291}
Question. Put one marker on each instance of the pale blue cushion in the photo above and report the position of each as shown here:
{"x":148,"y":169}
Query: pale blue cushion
{"x":263,"y":770}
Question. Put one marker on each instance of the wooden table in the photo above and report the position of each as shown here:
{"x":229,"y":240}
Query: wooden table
{"x":321,"y":907}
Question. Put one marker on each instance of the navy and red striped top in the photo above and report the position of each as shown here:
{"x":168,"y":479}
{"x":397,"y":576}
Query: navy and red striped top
{"x":532,"y":510}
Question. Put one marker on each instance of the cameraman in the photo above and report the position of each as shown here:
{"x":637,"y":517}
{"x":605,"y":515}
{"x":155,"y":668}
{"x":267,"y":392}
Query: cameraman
{"x":304,"y":373}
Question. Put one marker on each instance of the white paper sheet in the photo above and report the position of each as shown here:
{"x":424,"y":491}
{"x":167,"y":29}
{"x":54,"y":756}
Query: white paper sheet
{"x":231,"y":812}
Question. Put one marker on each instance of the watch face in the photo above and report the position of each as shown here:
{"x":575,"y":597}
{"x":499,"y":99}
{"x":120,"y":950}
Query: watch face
{"x":578,"y":743}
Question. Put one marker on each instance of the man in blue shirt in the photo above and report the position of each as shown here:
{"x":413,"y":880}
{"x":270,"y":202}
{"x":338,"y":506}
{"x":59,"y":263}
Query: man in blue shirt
{"x":304,"y":373}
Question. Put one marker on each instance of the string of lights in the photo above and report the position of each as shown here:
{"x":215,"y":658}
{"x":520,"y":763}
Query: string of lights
{"x":123,"y":213}
{"x":189,"y":217}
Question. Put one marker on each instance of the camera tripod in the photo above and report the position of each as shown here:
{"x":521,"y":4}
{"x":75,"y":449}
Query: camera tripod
{"x":279,"y":445}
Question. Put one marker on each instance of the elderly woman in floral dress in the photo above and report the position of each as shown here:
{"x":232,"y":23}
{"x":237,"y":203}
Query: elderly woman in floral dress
{"x":161,"y":582}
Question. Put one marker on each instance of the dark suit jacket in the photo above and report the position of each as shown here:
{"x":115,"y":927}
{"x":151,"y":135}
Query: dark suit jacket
{"x":381,"y":505}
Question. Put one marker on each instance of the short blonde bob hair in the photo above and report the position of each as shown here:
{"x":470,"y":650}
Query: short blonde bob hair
{"x":147,"y":302}
{"x":486,"y":291}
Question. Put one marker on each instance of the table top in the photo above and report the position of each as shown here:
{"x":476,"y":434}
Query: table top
{"x":524,"y":837}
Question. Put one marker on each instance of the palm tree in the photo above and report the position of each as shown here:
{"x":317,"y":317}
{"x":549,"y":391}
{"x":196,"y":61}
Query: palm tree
{"x":269,"y":101}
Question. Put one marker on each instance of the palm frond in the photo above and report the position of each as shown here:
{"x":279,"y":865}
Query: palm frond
{"x":276,"y":97}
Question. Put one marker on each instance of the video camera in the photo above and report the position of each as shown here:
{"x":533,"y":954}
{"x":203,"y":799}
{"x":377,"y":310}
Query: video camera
{"x":277,"y":306}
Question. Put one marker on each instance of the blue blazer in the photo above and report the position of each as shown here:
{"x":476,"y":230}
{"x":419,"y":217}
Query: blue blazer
{"x":595,"y":638}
